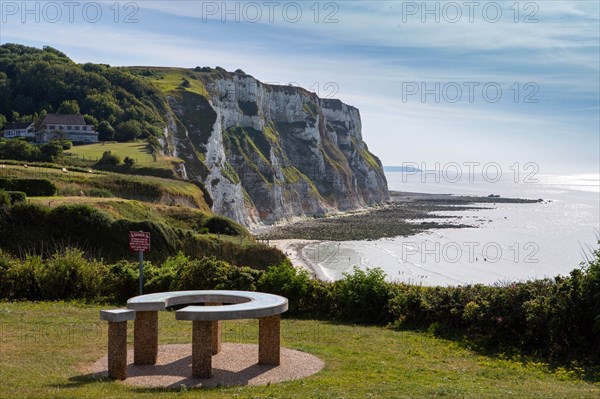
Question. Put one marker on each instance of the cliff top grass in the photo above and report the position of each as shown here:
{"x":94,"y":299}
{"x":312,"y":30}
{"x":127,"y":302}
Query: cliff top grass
{"x":171,"y":79}
{"x":76,"y":183}
{"x":182,"y":217}
{"x":46,"y":347}
{"x":139,"y":151}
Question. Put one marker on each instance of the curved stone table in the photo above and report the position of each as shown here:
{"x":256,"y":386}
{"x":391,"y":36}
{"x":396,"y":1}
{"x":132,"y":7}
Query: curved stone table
{"x":206,"y":323}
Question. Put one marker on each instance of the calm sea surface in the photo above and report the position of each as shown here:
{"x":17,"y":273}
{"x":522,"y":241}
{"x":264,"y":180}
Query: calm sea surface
{"x":509,"y":241}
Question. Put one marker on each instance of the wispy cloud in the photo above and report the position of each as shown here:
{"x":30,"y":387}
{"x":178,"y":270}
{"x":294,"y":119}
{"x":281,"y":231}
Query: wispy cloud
{"x":370,"y":53}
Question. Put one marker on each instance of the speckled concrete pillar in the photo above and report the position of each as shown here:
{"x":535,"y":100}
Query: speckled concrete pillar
{"x":268,"y":340}
{"x":145,"y":338}
{"x":216,"y":331}
{"x":117,"y":350}
{"x":202,"y":332}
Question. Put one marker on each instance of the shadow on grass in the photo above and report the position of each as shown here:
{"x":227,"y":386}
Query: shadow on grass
{"x":569,"y":368}
{"x":573,"y":369}
{"x":81,"y":380}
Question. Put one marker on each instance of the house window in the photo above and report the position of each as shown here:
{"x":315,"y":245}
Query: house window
{"x":76,"y":127}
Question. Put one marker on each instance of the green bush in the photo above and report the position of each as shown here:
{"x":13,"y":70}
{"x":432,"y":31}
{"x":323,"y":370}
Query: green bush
{"x":120,"y":282}
{"x":4,"y":199}
{"x":69,"y":275}
{"x":17,"y":197}
{"x":305,"y":295}
{"x":99,"y":192}
{"x":222,"y":225}
{"x":203,"y":274}
{"x":363,"y":297}
{"x":129,"y":162}
{"x":31,"y":187}
{"x":7,"y":262}
{"x":20,"y":279}
{"x":556,"y":319}
{"x":108,"y":158}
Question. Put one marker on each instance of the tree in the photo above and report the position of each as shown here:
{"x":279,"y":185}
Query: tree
{"x":2,"y":121}
{"x":129,"y":162}
{"x":19,"y":150}
{"x":90,"y":120}
{"x":185,"y":83}
{"x":105,"y":131}
{"x":69,"y":107}
{"x":128,"y":131}
{"x":52,"y":151}
{"x":108,"y":158}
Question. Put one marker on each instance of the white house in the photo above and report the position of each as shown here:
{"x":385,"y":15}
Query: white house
{"x":66,"y":127}
{"x":19,"y":129}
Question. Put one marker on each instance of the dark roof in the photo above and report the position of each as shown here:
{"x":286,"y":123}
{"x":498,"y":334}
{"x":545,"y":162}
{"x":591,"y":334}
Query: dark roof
{"x":17,"y":125}
{"x":63,"y":119}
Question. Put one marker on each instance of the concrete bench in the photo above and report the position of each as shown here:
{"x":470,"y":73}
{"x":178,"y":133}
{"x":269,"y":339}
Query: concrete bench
{"x":117,"y":340}
{"x":206,"y":323}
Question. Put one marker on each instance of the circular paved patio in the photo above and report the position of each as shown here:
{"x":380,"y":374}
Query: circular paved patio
{"x":236,"y":364}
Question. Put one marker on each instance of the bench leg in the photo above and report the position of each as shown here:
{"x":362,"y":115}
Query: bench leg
{"x":117,"y":350}
{"x":202,"y":339}
{"x":145,"y":338}
{"x":216,"y":331}
{"x":269,"y":340}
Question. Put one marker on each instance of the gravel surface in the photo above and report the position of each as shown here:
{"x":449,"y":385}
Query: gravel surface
{"x":236,"y":364}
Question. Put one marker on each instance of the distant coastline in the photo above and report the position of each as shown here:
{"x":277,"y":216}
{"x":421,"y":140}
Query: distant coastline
{"x":401,"y":169}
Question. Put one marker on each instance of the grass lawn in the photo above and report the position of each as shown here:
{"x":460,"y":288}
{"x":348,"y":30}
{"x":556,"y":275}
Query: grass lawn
{"x":170,"y":79}
{"x":140,"y":151}
{"x":44,"y":348}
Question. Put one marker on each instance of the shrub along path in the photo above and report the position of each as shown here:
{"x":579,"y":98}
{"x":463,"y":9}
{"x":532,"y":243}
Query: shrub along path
{"x":46,"y":347}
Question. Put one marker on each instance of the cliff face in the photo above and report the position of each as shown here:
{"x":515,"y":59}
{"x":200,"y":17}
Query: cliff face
{"x":267,"y":153}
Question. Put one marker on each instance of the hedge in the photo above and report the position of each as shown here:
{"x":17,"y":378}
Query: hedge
{"x":557,"y":320}
{"x":31,"y":187}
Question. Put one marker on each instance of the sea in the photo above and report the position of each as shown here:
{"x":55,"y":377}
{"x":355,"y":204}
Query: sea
{"x":507,"y":243}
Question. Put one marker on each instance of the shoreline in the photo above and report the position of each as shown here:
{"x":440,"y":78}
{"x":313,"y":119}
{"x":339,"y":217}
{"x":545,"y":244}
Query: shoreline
{"x":407,"y":213}
{"x":294,"y":250}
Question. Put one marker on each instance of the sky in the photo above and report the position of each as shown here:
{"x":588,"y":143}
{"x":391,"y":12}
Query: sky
{"x":509,"y":83}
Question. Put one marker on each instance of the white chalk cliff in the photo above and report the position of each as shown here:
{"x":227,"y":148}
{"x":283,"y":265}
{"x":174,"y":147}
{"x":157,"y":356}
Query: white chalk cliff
{"x":267,"y":153}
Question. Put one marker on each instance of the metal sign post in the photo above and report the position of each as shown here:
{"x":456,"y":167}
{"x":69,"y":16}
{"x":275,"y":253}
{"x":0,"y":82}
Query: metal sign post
{"x":141,"y":253}
{"x":140,"y":241}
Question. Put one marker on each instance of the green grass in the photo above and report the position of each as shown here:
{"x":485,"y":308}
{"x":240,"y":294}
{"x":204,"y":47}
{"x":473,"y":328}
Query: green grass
{"x":78,"y":183}
{"x":175,"y":216}
{"x":140,"y":151}
{"x":45,"y":347}
{"x":170,"y":79}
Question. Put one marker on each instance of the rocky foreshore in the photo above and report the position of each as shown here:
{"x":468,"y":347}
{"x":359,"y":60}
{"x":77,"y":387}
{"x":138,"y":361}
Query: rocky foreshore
{"x":405,"y":214}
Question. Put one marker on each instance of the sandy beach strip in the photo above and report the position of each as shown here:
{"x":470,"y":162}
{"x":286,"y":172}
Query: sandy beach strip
{"x":294,"y":250}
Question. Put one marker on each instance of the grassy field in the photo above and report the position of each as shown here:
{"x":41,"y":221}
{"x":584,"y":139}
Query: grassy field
{"x":77,"y":184}
{"x":140,"y":151}
{"x":45,"y":347}
{"x":170,"y":79}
